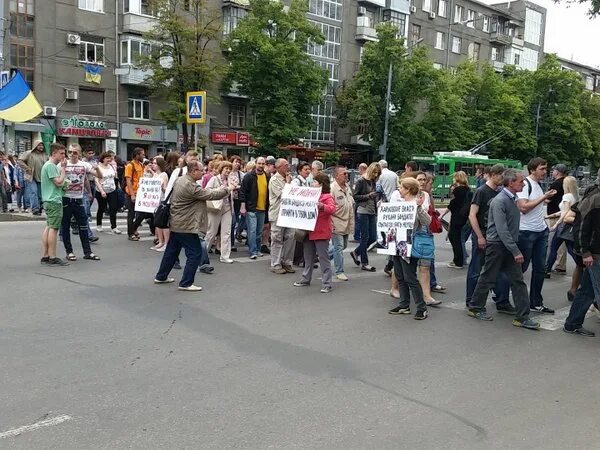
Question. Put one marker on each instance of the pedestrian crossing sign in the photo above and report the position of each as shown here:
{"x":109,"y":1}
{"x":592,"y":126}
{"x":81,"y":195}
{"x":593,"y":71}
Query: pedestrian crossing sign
{"x":196,"y":107}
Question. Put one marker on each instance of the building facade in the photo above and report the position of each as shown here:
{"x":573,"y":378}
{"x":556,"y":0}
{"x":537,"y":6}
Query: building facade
{"x":589,"y":75}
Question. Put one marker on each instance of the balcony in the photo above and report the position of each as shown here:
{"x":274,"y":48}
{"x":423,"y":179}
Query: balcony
{"x":498,"y":65}
{"x":137,"y":23}
{"x":500,"y":38}
{"x":365,"y":30}
{"x":132,"y":76}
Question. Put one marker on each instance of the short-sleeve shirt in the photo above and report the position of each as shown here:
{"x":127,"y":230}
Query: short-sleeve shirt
{"x":261,"y":200}
{"x":50,"y":192}
{"x":108,"y":178}
{"x":76,"y":173}
{"x":135,"y":171}
{"x":554,"y":202}
{"x":482,"y":198}
{"x":567,"y":199}
{"x":534,"y":219}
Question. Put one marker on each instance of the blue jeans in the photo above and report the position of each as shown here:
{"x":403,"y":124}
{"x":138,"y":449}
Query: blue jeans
{"x":190,"y":242}
{"x":465,"y":234}
{"x":475,"y":266}
{"x":368,"y":235}
{"x":73,"y":207}
{"x":554,"y":246}
{"x":255,"y":222}
{"x":356,"y":225}
{"x":339,"y":243}
{"x":533,"y":246}
{"x":584,"y":297}
{"x":432,"y":279}
{"x":35,"y":195}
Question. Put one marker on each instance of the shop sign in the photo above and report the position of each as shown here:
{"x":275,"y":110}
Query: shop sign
{"x":84,"y":128}
{"x":147,"y":133}
{"x":223,"y":137}
{"x":242,"y":139}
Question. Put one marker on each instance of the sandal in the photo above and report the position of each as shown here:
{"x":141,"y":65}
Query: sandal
{"x":354,"y":258}
{"x":134,"y":238}
{"x":439,"y":289}
{"x":433,"y":302}
{"x":92,"y":257}
{"x":71,"y":257}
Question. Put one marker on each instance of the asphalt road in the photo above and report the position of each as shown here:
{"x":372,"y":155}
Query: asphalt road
{"x":96,"y":356}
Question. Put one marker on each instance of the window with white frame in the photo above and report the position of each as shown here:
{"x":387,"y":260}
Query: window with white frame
{"x":438,"y":66}
{"x":589,"y":83}
{"x":456,"y":44}
{"x":92,"y":5}
{"x":442,"y":7}
{"x":485,"y":24}
{"x":141,"y":7}
{"x":231,"y":17}
{"x":474,"y":50}
{"x":427,"y":5}
{"x":139,"y":108}
{"x":324,"y":121}
{"x":237,"y":115}
{"x":530,"y":59}
{"x":133,"y":50}
{"x":517,"y":57}
{"x":333,"y":40}
{"x":91,"y":49}
{"x":333,"y":75}
{"x":331,"y":9}
{"x":471,"y":18}
{"x":459,"y":12}
{"x":440,"y":40}
{"x":533,"y":26}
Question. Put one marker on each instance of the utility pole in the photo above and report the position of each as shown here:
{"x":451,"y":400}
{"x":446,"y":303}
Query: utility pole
{"x":387,"y":114}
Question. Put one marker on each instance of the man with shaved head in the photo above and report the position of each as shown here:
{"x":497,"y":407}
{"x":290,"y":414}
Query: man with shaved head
{"x":282,"y":239}
{"x":254,"y":194}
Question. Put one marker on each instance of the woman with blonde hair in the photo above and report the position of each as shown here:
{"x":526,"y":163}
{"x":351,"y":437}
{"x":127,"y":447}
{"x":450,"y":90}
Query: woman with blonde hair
{"x":220,"y":214}
{"x":366,"y":197}
{"x":459,"y":207}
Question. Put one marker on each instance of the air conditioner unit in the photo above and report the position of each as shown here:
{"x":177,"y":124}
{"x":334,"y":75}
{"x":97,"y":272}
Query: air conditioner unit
{"x":362,"y":11}
{"x":432,"y":15}
{"x":413,"y":9}
{"x":49,"y":111}
{"x":73,"y":39}
{"x":71,"y":94}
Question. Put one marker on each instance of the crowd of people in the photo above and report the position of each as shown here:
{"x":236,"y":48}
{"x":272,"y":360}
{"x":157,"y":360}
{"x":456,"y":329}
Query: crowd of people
{"x":217,"y":204}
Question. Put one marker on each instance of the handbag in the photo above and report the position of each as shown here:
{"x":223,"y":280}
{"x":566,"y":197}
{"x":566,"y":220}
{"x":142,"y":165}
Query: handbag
{"x":214,"y":205}
{"x":436,"y":224}
{"x":422,"y":245}
{"x":162,"y":214}
{"x":300,"y":235}
{"x":565,"y":232}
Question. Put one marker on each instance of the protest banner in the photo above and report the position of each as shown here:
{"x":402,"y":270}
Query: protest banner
{"x":148,"y":195}
{"x":395,"y":222}
{"x":299,"y":207}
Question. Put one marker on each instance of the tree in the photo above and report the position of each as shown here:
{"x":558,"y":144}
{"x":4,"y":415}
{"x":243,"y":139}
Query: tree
{"x":594,"y":5}
{"x":269,"y":65}
{"x":590,"y":110}
{"x":185,"y":55}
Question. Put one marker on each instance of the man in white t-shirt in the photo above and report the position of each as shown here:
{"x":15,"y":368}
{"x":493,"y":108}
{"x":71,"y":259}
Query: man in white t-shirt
{"x":533,"y":232}
{"x":388,"y":180}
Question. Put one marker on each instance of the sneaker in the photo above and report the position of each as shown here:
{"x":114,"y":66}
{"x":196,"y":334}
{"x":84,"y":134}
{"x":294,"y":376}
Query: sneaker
{"x":301,"y":284}
{"x":207,"y":269}
{"x":399,"y":310}
{"x":253,"y":256}
{"x":342,"y":277}
{"x":421,"y":315}
{"x":161,"y":249}
{"x":116,"y":231}
{"x":260,"y":254}
{"x":225,"y":260}
{"x":454,"y":266}
{"x":288,"y":269}
{"x":326,"y":289}
{"x":580,"y":331}
{"x":99,"y":229}
{"x":94,"y":239}
{"x":166,"y":281}
{"x":528,"y":323}
{"x":506,"y":309}
{"x":44,"y":260}
{"x":481,"y":315}
{"x":278,"y":270}
{"x":368,"y":268}
{"x":191,"y":288}
{"x":542,"y":309}
{"x":57,"y":262}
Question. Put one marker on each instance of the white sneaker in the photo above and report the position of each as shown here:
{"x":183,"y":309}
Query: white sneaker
{"x":342,"y":277}
{"x":161,"y":249}
{"x":99,"y":229}
{"x":116,"y":231}
{"x":191,"y":288}
{"x":226,"y":260}
{"x":168,"y":280}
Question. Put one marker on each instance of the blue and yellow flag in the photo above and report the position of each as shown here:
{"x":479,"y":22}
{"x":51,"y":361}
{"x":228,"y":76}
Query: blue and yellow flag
{"x":17,"y":102}
{"x":93,"y":73}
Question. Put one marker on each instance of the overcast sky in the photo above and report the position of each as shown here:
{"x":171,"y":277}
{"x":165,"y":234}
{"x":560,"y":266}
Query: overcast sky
{"x":570,"y":32}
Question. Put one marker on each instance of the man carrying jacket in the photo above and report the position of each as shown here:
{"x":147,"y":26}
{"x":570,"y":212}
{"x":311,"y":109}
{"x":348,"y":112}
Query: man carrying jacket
{"x":188,"y":219}
{"x":254,"y":194}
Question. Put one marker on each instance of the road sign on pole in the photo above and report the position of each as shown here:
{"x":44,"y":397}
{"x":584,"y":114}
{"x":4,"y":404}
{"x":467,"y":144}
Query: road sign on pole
{"x":196,"y":107}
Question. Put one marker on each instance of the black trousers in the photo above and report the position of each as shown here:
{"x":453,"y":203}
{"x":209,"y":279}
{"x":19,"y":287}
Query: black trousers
{"x":111,"y":202}
{"x":454,"y":235}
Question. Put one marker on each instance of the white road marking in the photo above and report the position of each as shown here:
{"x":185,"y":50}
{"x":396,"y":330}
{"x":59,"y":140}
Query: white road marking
{"x":41,"y":424}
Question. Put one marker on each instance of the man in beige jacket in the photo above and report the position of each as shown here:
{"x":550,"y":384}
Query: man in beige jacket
{"x":343,"y":218}
{"x":188,"y":218}
{"x":282,"y":239}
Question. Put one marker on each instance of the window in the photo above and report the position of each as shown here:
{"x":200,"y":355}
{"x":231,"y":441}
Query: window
{"x":333,"y":39}
{"x":442,"y":7}
{"x":495,"y":54}
{"x":132,"y":50}
{"x":21,"y":7}
{"x":517,"y":59}
{"x":530,"y":59}
{"x":589,"y":83}
{"x":237,"y":115}
{"x":471,"y":18}
{"x":485,"y":24}
{"x":22,"y":58}
{"x":231,"y":17}
{"x":474,"y":50}
{"x":427,"y":5}
{"x":437,"y":66}
{"x":415,"y":34}
{"x":91,"y":49}
{"x":137,"y":7}
{"x":333,"y":75}
{"x":324,"y":121}
{"x":331,"y":9}
{"x":440,"y":40}
{"x":91,"y":102}
{"x":21,"y":25}
{"x":92,"y":5}
{"x":139,"y":109}
{"x":459,"y":12}
{"x":456,"y":44}
{"x":533,"y":26}
{"x":397,"y":19}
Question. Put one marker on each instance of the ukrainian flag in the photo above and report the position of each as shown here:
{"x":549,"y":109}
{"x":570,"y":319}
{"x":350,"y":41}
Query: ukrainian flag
{"x":17,"y":102}
{"x":93,"y":73}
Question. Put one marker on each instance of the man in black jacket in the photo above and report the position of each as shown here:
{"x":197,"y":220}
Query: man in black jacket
{"x":254,"y":194}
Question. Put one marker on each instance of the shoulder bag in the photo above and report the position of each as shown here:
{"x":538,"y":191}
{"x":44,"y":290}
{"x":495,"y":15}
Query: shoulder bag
{"x":215,"y":206}
{"x":422,"y":245}
{"x":162,"y":214}
{"x":436,"y":224}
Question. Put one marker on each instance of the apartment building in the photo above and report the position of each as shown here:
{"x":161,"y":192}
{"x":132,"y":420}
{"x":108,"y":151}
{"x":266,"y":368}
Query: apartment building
{"x":589,"y":75}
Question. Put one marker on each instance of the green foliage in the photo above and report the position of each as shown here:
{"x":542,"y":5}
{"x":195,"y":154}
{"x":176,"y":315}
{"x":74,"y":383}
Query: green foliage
{"x":331,"y":158}
{"x":269,"y":65}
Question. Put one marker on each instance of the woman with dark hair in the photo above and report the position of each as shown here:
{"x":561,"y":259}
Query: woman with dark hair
{"x":317,"y":241}
{"x":237,"y":221}
{"x":106,"y":192}
{"x":171,"y":162}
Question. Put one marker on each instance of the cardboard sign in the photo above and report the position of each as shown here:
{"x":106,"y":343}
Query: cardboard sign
{"x":395,"y":223}
{"x":299,"y":207}
{"x":148,"y":195}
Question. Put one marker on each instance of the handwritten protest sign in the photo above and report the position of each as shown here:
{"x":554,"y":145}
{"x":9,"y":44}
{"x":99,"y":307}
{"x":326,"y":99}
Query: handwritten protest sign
{"x":299,"y":207}
{"x":395,"y":222}
{"x":148,"y":195}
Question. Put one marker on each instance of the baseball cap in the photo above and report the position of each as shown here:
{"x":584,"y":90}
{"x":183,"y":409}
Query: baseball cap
{"x":560,"y":168}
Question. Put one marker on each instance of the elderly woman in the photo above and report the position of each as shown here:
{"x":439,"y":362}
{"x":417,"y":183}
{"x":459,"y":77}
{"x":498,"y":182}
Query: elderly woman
{"x":366,"y":197}
{"x":459,"y":207}
{"x":223,"y":215}
{"x":405,"y":268}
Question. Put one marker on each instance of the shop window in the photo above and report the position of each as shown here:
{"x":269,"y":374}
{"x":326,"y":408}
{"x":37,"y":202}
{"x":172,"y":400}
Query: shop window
{"x":91,"y":49}
{"x":139,"y":109}
{"x":91,"y":102}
